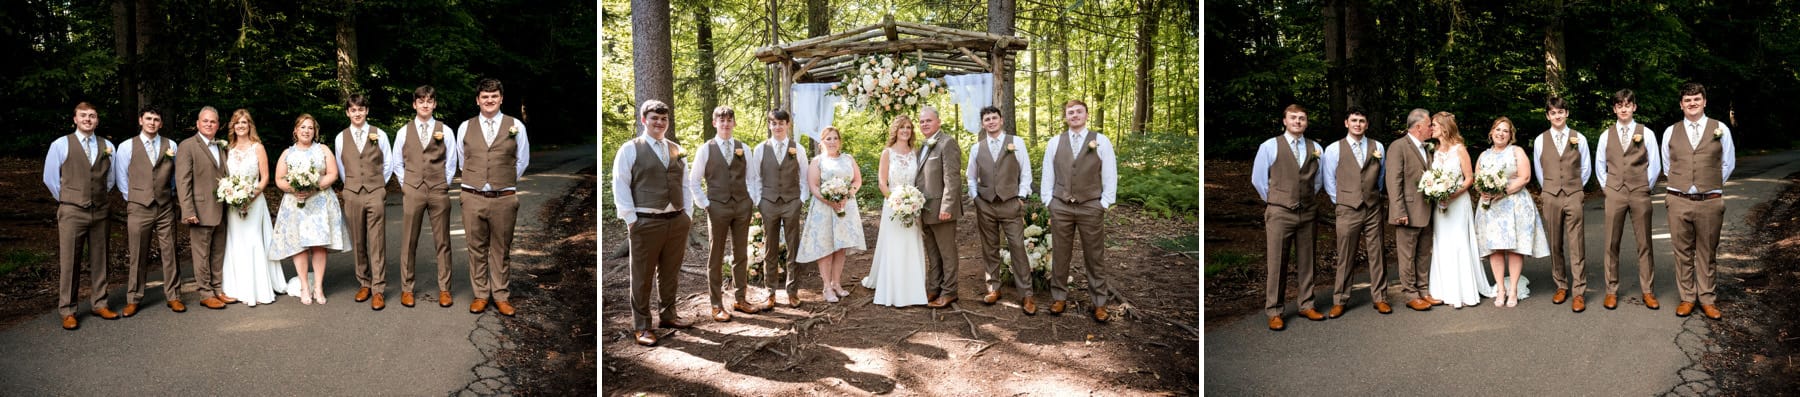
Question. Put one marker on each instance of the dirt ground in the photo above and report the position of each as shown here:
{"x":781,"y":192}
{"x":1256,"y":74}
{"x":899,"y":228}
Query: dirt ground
{"x":854,"y":347}
{"x":1759,"y":338}
{"x":553,"y":335}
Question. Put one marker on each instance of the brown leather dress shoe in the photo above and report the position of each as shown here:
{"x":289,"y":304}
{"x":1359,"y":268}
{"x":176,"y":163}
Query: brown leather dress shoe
{"x":941,"y":301}
{"x":406,"y":299}
{"x":1029,"y":304}
{"x":747,"y":309}
{"x":1611,"y":301}
{"x":1684,"y":309}
{"x":362,"y":294}
{"x":1711,"y":311}
{"x":931,"y":297}
{"x":769,"y":303}
{"x":1434,"y":301}
{"x":1579,"y":305}
{"x":1057,"y":307}
{"x":1419,"y":304}
{"x":1650,"y":302}
{"x":69,"y":323}
{"x":1335,"y":312}
{"x":1383,"y":308}
{"x":1275,"y":324}
{"x":991,"y":297}
{"x":479,"y":306}
{"x":130,"y":310}
{"x":227,"y":299}
{"x":377,"y":303}
{"x":1311,"y":314}
{"x":176,"y":306}
{"x":1100,"y":314}
{"x":644,"y":337}
{"x":212,"y":303}
{"x":673,"y":323}
{"x":1562,"y":295}
{"x":444,"y":299}
{"x":505,"y":308}
{"x":720,"y":315}
{"x":105,"y":313}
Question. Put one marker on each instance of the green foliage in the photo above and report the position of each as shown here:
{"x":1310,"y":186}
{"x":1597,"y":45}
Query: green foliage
{"x":1229,"y":264}
{"x":37,"y":263}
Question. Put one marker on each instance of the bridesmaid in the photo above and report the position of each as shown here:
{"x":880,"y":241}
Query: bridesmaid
{"x":307,"y":233}
{"x":828,"y":236}
{"x":1508,"y":226}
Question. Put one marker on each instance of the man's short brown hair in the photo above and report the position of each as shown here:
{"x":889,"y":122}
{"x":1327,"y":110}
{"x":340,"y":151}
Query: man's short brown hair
{"x":1073,"y":102}
{"x":724,"y":111}
{"x":653,"y":106}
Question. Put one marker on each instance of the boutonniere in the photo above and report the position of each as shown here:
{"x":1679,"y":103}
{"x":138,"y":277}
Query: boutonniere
{"x":792,"y":153}
{"x":1314,"y":155}
{"x":105,"y":151}
{"x":1095,"y":145}
{"x":220,"y":143}
{"x":513,"y":131}
{"x":739,"y":151}
{"x":373,"y":137}
{"x":1718,"y":134}
{"x":168,"y":152}
{"x":1375,"y":154}
{"x":437,"y":135}
{"x":931,"y":142}
{"x":1637,"y":139}
{"x":1430,"y":146}
{"x":1009,"y":149}
{"x":1574,"y":140}
{"x":675,"y":151}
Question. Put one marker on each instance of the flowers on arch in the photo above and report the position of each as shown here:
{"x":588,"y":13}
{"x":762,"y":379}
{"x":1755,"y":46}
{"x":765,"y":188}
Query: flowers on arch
{"x":885,"y":83}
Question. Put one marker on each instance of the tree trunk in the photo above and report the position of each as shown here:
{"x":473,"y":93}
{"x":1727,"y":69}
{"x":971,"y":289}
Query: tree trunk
{"x":1146,"y":49}
{"x":1000,"y":22}
{"x":775,"y":79}
{"x":148,"y":73}
{"x":1334,"y":56}
{"x":346,"y":52}
{"x":1031,"y":105}
{"x":125,"y":46}
{"x":1554,"y":50}
{"x":709,"y":87}
{"x":650,"y":54}
{"x":818,"y":18}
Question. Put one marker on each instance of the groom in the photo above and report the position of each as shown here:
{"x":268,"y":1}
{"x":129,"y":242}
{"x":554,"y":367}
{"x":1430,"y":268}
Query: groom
{"x":941,"y":180}
{"x":146,"y":173}
{"x":1409,"y":211}
{"x":1000,"y":176}
{"x":199,"y":162}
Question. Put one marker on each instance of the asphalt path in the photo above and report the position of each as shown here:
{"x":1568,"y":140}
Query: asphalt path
{"x":1537,"y":348}
{"x":286,"y":348}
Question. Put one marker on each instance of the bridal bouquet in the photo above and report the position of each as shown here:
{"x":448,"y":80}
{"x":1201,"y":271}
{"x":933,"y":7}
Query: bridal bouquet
{"x":236,"y":191}
{"x":303,"y":179}
{"x":835,"y":189}
{"x":885,"y":83}
{"x":906,"y":203}
{"x":1491,"y":180}
{"x":1437,"y":185}
{"x":1037,"y":247}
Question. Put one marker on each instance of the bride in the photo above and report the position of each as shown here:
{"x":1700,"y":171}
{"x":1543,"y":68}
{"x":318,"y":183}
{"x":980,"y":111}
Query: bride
{"x":1456,"y":273}
{"x":897,"y":273}
{"x":249,"y":273}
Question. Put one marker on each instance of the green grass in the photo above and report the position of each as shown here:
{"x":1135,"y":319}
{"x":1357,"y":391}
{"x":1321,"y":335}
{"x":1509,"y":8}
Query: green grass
{"x":17,"y":259}
{"x":1227,"y":262}
{"x":1186,"y":243}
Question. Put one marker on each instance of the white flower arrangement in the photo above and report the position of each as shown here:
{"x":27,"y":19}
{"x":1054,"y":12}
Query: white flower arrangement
{"x":906,"y":203}
{"x":835,"y":189}
{"x":1491,"y":179}
{"x":888,"y":84}
{"x":303,"y":179}
{"x":1437,"y":184}
{"x":236,"y":191}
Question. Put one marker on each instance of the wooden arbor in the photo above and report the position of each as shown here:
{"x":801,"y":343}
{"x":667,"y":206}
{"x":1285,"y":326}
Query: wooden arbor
{"x":827,"y":59}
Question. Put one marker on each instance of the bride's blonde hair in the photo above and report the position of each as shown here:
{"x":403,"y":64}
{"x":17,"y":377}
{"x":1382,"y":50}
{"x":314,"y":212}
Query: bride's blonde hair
{"x":1452,"y":136}
{"x":894,"y":131}
{"x":241,"y":114}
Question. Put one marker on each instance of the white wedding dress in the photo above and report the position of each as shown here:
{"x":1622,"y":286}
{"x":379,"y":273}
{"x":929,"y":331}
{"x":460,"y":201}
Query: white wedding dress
{"x":898,"y":272}
{"x":1457,"y":275}
{"x":250,"y":275}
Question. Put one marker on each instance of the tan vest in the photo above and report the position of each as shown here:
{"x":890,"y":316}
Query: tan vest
{"x":362,"y":170}
{"x":152,"y":183}
{"x":996,"y":179}
{"x":1290,"y":186}
{"x":654,"y":185}
{"x":85,"y":185}
{"x":1562,"y":173}
{"x":424,"y":161}
{"x":1700,"y":167}
{"x":1077,"y":179}
{"x":725,"y":183}
{"x":780,"y":182}
{"x":1626,"y":164}
{"x":1356,"y":185}
{"x":495,"y":165}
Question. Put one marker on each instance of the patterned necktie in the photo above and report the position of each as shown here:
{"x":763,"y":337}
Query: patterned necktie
{"x":1561,"y":140}
{"x":153,"y":153}
{"x":1624,"y":139}
{"x":87,"y":144}
{"x":1693,"y":131}
{"x":487,"y":130}
{"x":662,"y":151}
{"x":1299,"y":156}
{"x":1358,"y":148}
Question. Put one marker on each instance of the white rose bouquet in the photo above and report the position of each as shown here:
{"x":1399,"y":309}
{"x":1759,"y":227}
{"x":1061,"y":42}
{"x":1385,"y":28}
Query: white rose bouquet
{"x":835,"y":189}
{"x":236,"y":191}
{"x":891,"y":85}
{"x":906,"y":203}
{"x":303,"y":179}
{"x":1438,"y":184}
{"x":1491,"y":179}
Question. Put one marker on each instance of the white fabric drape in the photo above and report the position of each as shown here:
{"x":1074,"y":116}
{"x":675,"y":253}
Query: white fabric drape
{"x":972,"y":92}
{"x":813,"y":108}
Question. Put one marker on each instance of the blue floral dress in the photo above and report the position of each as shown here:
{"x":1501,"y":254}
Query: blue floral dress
{"x":1511,"y":222}
{"x":320,"y":224}
{"x":826,"y":232}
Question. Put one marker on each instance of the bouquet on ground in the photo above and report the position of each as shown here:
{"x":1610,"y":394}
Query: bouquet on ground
{"x":236,"y":191}
{"x":1437,"y":184}
{"x":303,"y":179}
{"x":906,"y":203}
{"x":1490,"y":180}
{"x":1037,"y":248}
{"x":835,"y":189}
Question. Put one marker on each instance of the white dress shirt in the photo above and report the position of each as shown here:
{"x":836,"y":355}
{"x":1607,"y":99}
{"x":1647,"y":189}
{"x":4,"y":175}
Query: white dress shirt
{"x":360,"y":137}
{"x":153,"y":147}
{"x":1727,"y":156}
{"x":1109,"y":168}
{"x":1557,"y":140}
{"x":697,"y":172}
{"x":1265,"y":159}
{"x":753,"y":172}
{"x":423,"y":131}
{"x":623,"y":203}
{"x":1621,"y":135}
{"x":997,"y":146}
{"x":1328,"y":162}
{"x":490,"y":130}
{"x":59,"y":151}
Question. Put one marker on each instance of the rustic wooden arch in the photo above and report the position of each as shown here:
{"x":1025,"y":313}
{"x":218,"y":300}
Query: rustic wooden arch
{"x":949,"y":51}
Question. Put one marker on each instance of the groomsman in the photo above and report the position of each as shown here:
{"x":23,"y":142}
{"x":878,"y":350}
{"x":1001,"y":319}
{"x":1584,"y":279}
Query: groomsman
{"x":720,"y":164}
{"x":1628,"y":164}
{"x":1078,"y":203}
{"x":78,"y":172}
{"x":494,"y":152}
{"x":145,"y":174}
{"x":1351,"y":171}
{"x":1410,"y":212}
{"x":941,"y":180}
{"x":1700,"y":155}
{"x":1286,"y":176}
{"x":1000,"y":176}
{"x":777,"y":188}
{"x":1562,"y":171}
{"x":362,"y":160}
{"x":647,"y":190}
{"x":423,"y":158}
{"x":199,"y":163}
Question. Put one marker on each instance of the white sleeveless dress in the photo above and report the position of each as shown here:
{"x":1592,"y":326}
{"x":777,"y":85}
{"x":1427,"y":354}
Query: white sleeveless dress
{"x":897,"y":273}
{"x":1457,"y":275}
{"x":251,"y":275}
